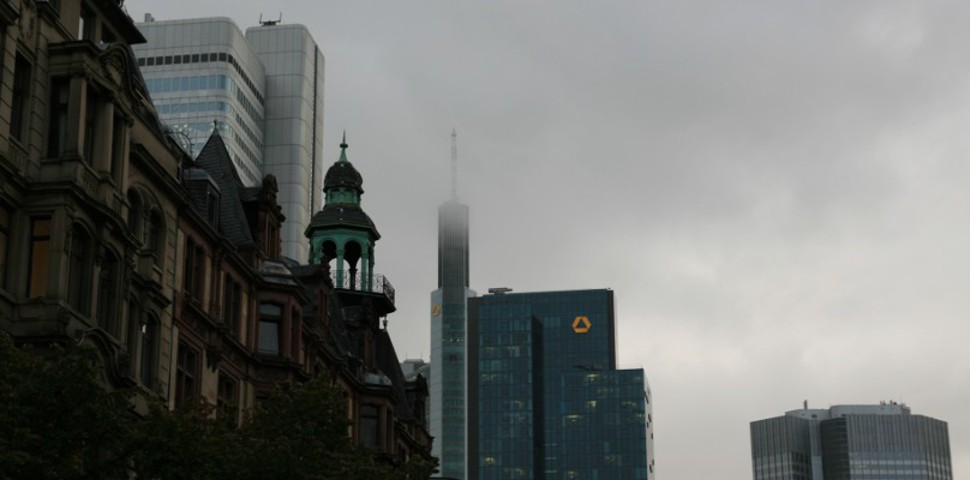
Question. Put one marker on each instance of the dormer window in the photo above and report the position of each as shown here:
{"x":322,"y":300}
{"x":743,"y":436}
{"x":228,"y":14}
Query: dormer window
{"x":212,"y":207}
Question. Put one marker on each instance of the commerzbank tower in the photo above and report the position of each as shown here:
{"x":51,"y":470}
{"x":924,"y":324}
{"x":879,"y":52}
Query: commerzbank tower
{"x":449,"y":313}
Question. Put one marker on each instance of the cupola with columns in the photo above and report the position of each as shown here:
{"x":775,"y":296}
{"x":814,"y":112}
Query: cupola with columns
{"x":343,"y":234}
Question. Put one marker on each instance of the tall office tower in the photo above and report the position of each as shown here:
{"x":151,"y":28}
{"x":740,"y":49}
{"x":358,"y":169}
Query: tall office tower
{"x":263,"y":89}
{"x":851,"y":442}
{"x":545,"y":400}
{"x":293,"y":124}
{"x":448,"y":320}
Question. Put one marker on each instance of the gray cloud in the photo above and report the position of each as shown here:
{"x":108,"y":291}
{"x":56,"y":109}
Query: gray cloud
{"x":775,"y":191}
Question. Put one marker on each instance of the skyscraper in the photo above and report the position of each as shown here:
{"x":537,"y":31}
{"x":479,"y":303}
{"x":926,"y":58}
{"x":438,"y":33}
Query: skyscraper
{"x":545,"y":400}
{"x":851,"y":442}
{"x":448,"y":325}
{"x":264,"y":90}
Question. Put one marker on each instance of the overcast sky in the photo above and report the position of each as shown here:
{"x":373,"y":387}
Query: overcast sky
{"x":777,"y":192}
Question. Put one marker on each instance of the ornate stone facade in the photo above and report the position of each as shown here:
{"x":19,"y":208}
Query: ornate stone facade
{"x":111,"y":235}
{"x":88,"y":190}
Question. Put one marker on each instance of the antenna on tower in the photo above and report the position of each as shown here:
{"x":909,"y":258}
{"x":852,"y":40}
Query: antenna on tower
{"x":454,"y":164}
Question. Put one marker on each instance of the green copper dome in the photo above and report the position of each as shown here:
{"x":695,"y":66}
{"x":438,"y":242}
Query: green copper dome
{"x":342,"y":174}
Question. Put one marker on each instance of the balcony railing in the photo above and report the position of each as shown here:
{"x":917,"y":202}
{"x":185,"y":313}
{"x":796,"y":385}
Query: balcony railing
{"x":375,"y":284}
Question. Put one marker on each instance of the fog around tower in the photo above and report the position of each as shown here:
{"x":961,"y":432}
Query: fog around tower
{"x":776,"y":192}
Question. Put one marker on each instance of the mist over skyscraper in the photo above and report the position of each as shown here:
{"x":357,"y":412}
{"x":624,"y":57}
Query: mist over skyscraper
{"x":448,"y":332}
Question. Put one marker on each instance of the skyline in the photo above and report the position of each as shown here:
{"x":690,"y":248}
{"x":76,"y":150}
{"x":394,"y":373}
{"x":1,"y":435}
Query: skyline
{"x":775,"y":193}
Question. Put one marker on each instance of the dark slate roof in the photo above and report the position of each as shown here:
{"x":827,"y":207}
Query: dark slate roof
{"x":339,"y":335}
{"x":250,"y":194}
{"x":214,"y":158}
{"x":277,"y":272}
{"x":301,"y":270}
{"x":343,"y":215}
{"x":388,"y":362}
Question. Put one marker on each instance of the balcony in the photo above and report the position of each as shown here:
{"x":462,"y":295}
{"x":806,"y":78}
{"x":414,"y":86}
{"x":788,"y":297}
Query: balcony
{"x":376,"y":285}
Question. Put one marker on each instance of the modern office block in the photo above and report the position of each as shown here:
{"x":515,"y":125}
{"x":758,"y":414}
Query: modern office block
{"x":292,"y":124}
{"x":851,"y":442}
{"x":545,"y":400}
{"x":263,"y":90}
{"x":448,"y":324}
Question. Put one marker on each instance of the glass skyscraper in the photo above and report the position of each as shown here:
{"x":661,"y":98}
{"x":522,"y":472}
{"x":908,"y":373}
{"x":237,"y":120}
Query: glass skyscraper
{"x":851,"y":442}
{"x":545,"y":400}
{"x":264,"y":89}
{"x":448,"y":319}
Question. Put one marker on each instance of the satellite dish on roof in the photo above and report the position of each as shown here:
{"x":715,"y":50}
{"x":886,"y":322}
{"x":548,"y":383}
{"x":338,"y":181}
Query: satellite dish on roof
{"x":270,"y":23}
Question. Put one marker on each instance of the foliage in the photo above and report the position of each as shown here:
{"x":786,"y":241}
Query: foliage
{"x":58,"y":421}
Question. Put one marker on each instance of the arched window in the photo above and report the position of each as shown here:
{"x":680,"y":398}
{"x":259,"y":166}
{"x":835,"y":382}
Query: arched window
{"x":108,"y":283}
{"x":134,"y":213}
{"x":79,"y":270}
{"x":148,"y":366}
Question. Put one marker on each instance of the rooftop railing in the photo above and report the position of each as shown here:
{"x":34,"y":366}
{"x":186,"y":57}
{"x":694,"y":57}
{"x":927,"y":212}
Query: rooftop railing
{"x":374,"y":284}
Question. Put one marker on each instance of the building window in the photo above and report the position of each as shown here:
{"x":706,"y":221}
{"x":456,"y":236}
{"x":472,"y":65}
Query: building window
{"x":79,"y":270}
{"x":232,"y":304}
{"x":132,"y":329}
{"x":194,"y":269}
{"x":295,"y":325}
{"x":212,"y":207}
{"x":270,"y":320}
{"x":85,"y":28}
{"x":21,"y":96}
{"x":148,"y":366}
{"x":90,"y":125}
{"x":186,"y":374}
{"x":4,"y":239}
{"x":156,"y":235}
{"x":57,"y":129}
{"x":370,"y":425}
{"x":117,"y":147}
{"x":134,"y":214}
{"x":108,"y":293}
{"x":226,"y":394}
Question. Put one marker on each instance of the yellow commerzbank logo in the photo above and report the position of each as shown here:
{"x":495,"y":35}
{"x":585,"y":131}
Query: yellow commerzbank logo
{"x":581,"y":325}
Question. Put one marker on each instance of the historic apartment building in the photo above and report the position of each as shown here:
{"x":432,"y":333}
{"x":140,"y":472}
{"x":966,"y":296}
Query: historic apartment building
{"x":111,"y":235}
{"x":89,"y":192}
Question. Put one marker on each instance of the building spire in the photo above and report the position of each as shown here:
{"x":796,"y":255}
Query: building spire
{"x":343,"y":148}
{"x":454,"y":165}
